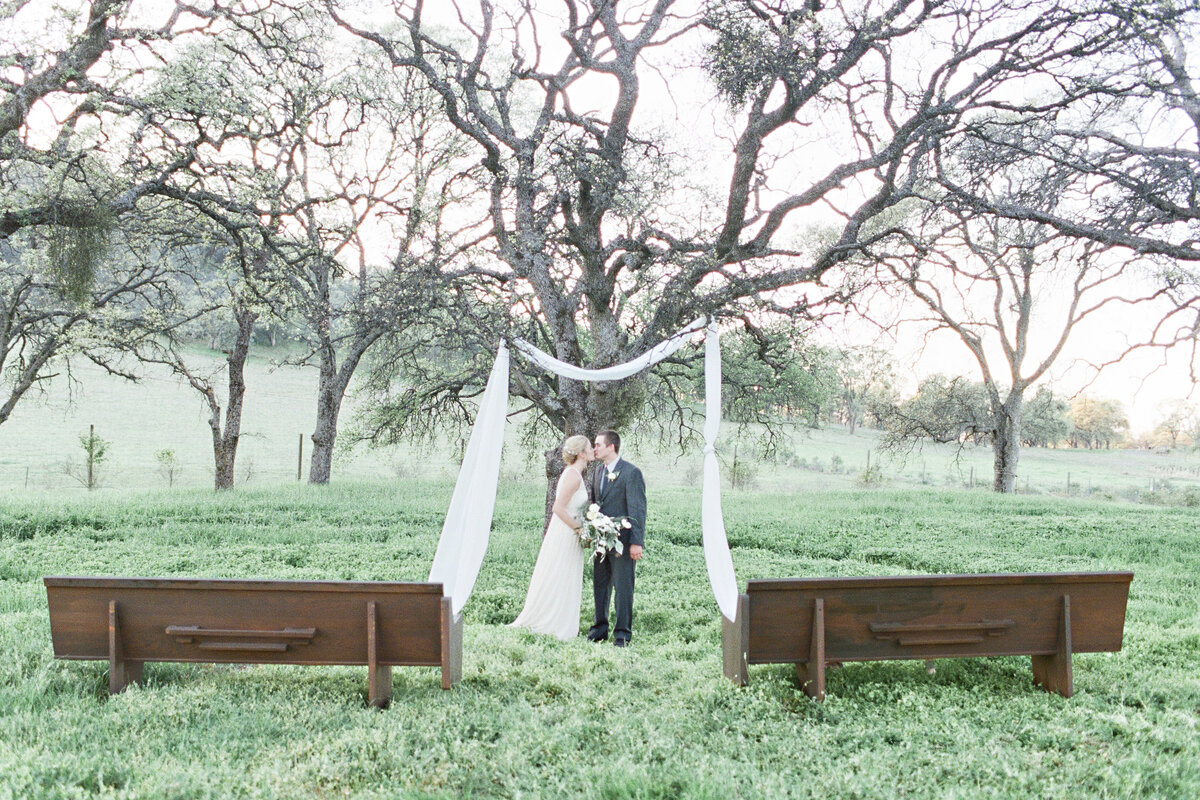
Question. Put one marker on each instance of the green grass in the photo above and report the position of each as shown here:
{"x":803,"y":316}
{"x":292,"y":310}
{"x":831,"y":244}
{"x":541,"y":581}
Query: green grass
{"x":538,"y":718}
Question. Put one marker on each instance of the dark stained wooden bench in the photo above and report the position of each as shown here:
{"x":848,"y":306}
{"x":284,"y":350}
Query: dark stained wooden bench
{"x":130,"y":621}
{"x":812,"y":622}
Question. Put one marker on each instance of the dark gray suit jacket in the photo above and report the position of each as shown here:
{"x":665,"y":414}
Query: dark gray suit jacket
{"x":623,"y":497}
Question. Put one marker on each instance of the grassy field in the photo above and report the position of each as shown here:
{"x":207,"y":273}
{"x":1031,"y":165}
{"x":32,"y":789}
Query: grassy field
{"x":538,"y":718}
{"x":159,"y":413}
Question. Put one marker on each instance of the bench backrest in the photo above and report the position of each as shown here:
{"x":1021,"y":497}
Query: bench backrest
{"x":935,"y":616}
{"x":224,"y":620}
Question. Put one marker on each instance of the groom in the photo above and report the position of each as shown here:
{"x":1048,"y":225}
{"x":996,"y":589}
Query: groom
{"x":620,"y":491}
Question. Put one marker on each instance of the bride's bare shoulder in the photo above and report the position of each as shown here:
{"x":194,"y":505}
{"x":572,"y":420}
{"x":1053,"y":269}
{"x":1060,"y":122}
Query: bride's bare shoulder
{"x":569,"y":480}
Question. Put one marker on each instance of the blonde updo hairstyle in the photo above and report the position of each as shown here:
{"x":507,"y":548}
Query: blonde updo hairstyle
{"x":572,"y":447}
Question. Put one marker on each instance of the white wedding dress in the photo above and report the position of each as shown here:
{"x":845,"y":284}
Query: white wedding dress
{"x":555,"y":590}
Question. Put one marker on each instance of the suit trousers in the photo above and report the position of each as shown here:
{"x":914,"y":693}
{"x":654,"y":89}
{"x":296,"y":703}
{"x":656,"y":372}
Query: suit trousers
{"x":614,"y":573}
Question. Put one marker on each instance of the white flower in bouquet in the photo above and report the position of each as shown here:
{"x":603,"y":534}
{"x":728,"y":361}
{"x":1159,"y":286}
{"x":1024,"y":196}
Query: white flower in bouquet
{"x":601,"y":533}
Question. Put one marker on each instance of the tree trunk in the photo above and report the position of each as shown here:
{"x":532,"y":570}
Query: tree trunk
{"x":554,"y":467}
{"x":1006,"y":446}
{"x":224,"y":457}
{"x":330,"y":392}
{"x":225,"y":442}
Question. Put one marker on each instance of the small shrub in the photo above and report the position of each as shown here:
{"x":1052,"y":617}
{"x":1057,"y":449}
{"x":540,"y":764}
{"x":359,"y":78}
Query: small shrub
{"x":873,"y":475}
{"x":743,"y":475}
{"x":168,"y":465}
{"x":95,"y":453}
{"x":742,"y":471}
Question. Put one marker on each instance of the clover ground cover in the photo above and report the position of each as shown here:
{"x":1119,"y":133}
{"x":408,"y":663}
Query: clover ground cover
{"x":537,"y":718}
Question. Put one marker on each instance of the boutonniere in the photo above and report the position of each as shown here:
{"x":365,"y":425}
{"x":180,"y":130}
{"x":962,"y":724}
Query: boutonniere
{"x":612,"y":476}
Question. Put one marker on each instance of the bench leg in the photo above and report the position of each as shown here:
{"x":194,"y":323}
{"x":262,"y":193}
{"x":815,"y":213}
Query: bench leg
{"x":452,"y":644}
{"x":812,"y":674}
{"x":1054,"y":673}
{"x":735,"y":642}
{"x":121,"y":672}
{"x":379,"y":676}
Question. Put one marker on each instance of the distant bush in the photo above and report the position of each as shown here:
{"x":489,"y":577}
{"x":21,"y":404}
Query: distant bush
{"x":873,"y":475}
{"x":168,"y":465}
{"x":743,"y":474}
{"x":742,"y":471}
{"x":1164,"y":493}
{"x":95,"y":453}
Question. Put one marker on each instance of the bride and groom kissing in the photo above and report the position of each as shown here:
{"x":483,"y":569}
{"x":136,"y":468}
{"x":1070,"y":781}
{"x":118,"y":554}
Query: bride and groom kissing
{"x":616,"y":486}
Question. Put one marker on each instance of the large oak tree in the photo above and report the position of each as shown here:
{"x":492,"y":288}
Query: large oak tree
{"x":835,"y":115}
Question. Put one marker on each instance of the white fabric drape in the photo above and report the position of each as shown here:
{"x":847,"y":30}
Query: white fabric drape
{"x":712,"y":521}
{"x":468,"y":522}
{"x":644,"y":361}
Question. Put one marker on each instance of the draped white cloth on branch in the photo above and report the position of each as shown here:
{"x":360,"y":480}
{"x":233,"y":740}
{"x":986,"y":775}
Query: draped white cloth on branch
{"x":712,"y":521}
{"x":646,"y":360}
{"x":468,"y":522}
{"x":469,"y":519}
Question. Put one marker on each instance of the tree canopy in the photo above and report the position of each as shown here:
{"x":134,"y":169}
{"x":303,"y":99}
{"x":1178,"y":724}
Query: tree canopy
{"x":411,"y":187}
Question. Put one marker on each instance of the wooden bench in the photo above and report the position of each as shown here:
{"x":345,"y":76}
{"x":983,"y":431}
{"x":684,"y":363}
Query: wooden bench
{"x":812,"y":622}
{"x":130,"y":621}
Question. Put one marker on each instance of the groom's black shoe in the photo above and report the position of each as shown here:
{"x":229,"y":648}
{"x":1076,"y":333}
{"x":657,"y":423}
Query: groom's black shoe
{"x":597,"y":639}
{"x":620,"y":643}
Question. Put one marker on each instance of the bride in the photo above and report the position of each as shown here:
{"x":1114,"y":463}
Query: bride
{"x":552,"y":604}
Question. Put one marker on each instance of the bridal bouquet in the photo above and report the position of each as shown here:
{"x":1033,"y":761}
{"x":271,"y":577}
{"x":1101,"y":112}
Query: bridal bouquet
{"x":600,"y":533}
